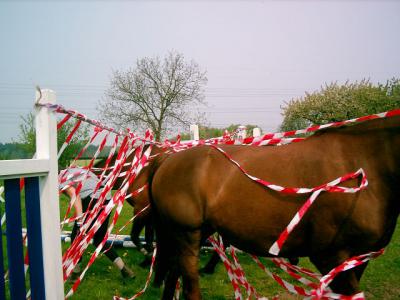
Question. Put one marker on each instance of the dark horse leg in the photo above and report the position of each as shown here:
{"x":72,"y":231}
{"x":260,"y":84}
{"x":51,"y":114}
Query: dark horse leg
{"x":170,"y":283}
{"x":294,"y":260}
{"x":162,"y":263}
{"x":165,"y":258}
{"x":188,"y":259}
{"x":346,"y":283}
{"x":166,"y":267}
{"x":137,"y":227}
{"x":149,"y":236}
{"x":184,"y":262}
{"x":143,"y":221}
{"x":209,"y":268}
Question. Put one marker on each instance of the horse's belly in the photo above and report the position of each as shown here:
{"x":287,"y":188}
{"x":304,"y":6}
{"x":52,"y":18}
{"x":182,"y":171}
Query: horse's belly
{"x":253,"y":221}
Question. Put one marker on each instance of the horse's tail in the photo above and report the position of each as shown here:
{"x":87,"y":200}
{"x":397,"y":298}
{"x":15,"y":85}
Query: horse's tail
{"x":154,"y":164}
{"x":161,"y":263}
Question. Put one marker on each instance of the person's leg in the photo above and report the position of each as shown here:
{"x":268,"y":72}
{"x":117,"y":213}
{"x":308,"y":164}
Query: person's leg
{"x":75,"y":232}
{"x":111,"y":253}
{"x":77,"y":225}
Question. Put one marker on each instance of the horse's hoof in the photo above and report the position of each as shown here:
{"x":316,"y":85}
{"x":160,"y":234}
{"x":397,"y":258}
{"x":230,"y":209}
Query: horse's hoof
{"x":206,"y":271}
{"x":145,"y":263}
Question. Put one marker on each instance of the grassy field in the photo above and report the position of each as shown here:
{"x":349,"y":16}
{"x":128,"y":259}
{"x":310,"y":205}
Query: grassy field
{"x":103,"y":281}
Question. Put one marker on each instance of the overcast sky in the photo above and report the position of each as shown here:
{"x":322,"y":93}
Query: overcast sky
{"x":257,"y":54}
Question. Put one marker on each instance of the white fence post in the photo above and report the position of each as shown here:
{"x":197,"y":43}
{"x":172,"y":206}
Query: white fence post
{"x":242,"y":134}
{"x":256,"y":132}
{"x":194,"y":132}
{"x":46,"y":148}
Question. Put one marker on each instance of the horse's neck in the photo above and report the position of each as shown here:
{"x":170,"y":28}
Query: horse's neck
{"x":376,"y":139}
{"x":393,"y":157}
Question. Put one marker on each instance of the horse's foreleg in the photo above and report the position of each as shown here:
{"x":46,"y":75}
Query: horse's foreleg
{"x":149,"y":236}
{"x":346,"y":283}
{"x":137,"y":227}
{"x":209,"y":268}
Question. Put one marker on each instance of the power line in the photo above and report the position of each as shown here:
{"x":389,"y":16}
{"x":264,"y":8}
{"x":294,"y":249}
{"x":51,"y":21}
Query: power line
{"x":79,"y":87}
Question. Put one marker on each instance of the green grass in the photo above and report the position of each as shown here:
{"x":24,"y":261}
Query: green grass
{"x":103,"y":281}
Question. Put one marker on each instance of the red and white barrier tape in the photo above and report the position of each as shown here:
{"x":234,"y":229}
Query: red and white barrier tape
{"x":142,"y":291}
{"x":137,"y":164}
{"x":96,"y":209}
{"x":97,"y":216}
{"x":229,"y":266}
{"x":280,"y":135}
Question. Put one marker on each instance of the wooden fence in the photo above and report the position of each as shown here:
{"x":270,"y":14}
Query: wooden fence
{"x":42,"y":215}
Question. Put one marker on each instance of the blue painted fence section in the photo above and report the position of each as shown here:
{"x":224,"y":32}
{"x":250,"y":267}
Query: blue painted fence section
{"x":14,"y":239}
{"x":32,"y":205}
{"x":15,"y":252}
{"x":2,"y":283}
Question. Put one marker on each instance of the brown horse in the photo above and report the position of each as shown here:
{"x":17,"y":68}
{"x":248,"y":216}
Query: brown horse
{"x":199,"y":191}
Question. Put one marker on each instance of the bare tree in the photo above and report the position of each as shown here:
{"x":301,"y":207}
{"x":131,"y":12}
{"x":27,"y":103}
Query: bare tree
{"x":157,"y":94}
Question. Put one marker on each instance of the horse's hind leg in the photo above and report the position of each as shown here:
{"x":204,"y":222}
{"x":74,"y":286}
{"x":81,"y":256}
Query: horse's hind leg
{"x":182,"y":262}
{"x":209,"y":268}
{"x":189,"y":264}
{"x":347,"y":282}
{"x":164,"y":260}
{"x":170,"y":283}
{"x":360,"y":270}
